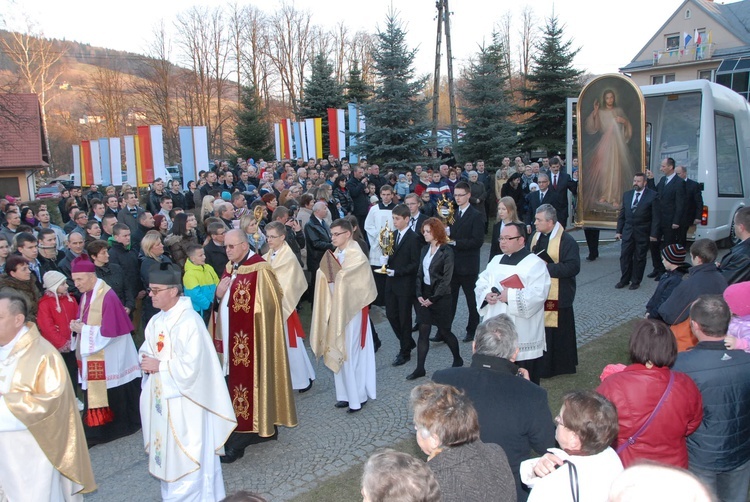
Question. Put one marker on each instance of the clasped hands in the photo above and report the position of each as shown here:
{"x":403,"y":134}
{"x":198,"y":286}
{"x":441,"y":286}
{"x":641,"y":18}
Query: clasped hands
{"x":492,"y":298}
{"x":149,"y":364}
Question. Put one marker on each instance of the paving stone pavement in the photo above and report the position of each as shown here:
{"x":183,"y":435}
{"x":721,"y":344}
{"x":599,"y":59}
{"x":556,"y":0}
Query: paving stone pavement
{"x":328,"y":441}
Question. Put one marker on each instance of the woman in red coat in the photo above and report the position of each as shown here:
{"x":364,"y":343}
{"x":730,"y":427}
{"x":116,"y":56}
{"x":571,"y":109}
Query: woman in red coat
{"x":56,"y":309}
{"x":636,"y":392}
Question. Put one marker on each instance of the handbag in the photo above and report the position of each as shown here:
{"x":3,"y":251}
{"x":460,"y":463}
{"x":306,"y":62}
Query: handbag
{"x":631,"y":440}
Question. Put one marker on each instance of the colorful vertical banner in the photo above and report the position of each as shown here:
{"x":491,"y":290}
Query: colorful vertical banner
{"x":138,"y":162}
{"x":115,"y":161}
{"x":130,"y":161}
{"x":194,"y":152}
{"x":76,"y":164}
{"x":297,"y":134}
{"x":353,"y":129}
{"x":87,"y":173}
{"x":157,"y":151}
{"x":341,"y":131}
{"x":145,"y":158}
{"x":277,"y":140}
{"x":96,"y":163}
{"x":312,"y":152}
{"x":105,"y":159}
{"x":333,"y":132}
{"x":286,"y":139}
{"x":303,"y":140}
{"x":319,"y":136}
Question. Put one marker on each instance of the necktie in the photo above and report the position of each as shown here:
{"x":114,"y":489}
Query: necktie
{"x":413,"y":224}
{"x":398,"y":238}
{"x":541,"y":196}
{"x":554,"y":182}
{"x":636,"y":199}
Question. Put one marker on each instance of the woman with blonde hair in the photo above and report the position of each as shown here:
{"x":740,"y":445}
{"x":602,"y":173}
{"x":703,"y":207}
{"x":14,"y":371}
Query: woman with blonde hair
{"x":152,"y":251}
{"x":507,"y":212}
{"x":207,"y":207}
{"x":447,"y":429}
{"x":255,"y":236}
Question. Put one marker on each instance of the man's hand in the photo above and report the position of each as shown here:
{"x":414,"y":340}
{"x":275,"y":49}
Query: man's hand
{"x":423,"y":302}
{"x":524,"y":373}
{"x":491,"y":298}
{"x":76,"y":326}
{"x":390,"y":272}
{"x":675,"y":226}
{"x":503,"y":296}
{"x":653,"y":239}
{"x":618,"y":237}
{"x":149,"y":364}
{"x":294,"y":224}
{"x":127,"y":310}
{"x":547,"y":465}
{"x":141,"y":294}
{"x":222,"y":287}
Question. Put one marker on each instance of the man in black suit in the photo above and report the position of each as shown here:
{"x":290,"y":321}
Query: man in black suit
{"x":671,"y":190}
{"x":693,"y":205}
{"x":317,"y":241}
{"x":356,"y":187}
{"x":400,"y":284}
{"x":512,"y":411}
{"x":637,"y":225}
{"x":416,"y":218}
{"x":467,"y":234}
{"x":542,"y":196}
{"x":129,"y":214}
{"x":560,"y":184}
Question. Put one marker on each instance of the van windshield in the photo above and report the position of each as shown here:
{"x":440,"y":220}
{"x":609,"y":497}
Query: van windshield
{"x":673,"y":125}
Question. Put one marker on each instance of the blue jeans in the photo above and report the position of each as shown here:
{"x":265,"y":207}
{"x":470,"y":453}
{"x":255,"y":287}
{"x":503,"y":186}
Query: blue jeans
{"x":730,"y":486}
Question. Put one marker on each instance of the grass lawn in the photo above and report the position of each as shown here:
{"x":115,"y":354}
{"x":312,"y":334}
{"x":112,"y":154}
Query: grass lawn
{"x":609,"y":348}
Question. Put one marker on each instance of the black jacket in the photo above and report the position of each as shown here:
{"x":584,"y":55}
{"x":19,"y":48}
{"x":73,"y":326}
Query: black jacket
{"x":127,"y":260}
{"x":64,"y":267}
{"x":566,"y":269}
{"x":468,"y":234}
{"x":317,"y":242}
{"x":113,"y":275}
{"x":671,"y":200}
{"x":643,"y":222}
{"x":216,"y":256}
{"x":404,"y":261}
{"x":565,"y":184}
{"x":722,"y":442}
{"x":441,"y":273}
{"x":667,"y":283}
{"x":702,"y":280}
{"x":513,"y":412}
{"x":533,"y":203}
{"x":360,"y":202}
{"x":735,"y":265}
{"x":124,"y":216}
{"x":693,"y":203}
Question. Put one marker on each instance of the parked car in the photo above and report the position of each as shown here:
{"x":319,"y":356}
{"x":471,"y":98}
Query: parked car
{"x":48,"y":192}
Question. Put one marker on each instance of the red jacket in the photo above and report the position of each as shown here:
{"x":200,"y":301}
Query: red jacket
{"x":54,"y":325}
{"x":635,"y":392}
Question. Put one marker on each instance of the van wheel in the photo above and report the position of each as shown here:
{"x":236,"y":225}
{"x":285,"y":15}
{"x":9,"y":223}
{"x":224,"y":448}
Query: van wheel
{"x":732,"y":240}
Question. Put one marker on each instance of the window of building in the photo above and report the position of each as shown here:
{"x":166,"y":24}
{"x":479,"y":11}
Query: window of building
{"x":727,"y":157}
{"x":688,"y":14}
{"x":10,"y":186}
{"x":735,"y":74}
{"x":662,"y":79}
{"x":706,"y":75}
{"x":673,"y":42}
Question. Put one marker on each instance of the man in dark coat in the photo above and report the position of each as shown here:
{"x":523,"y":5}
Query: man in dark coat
{"x":560,"y":251}
{"x":671,"y":190}
{"x":317,"y":241}
{"x":512,"y":411}
{"x":560,"y":184}
{"x":693,"y":204}
{"x":735,"y":265}
{"x":129,"y":214}
{"x":719,"y":451}
{"x":356,"y":187}
{"x":544,"y":195}
{"x":467,"y":237}
{"x":637,"y":225}
{"x":124,"y":255}
{"x":216,"y":254}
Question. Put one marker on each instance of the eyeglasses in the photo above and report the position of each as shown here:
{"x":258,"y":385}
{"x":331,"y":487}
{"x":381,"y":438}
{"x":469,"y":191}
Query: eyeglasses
{"x":505,"y":239}
{"x":269,"y":236}
{"x":156,"y":291}
{"x":336,"y":234}
{"x":456,"y":194}
{"x":232,"y":246}
{"x":559,"y":421}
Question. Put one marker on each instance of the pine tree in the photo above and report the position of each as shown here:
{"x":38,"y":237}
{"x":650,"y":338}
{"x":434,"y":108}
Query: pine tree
{"x":321,"y":92}
{"x":357,"y":90}
{"x":395,"y":115}
{"x":252,"y":131}
{"x":488,"y":132}
{"x":553,"y":79}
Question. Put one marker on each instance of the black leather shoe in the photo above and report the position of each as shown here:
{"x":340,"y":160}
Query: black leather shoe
{"x":657,"y":278}
{"x":436,"y":339}
{"x":591,"y":258}
{"x":635,"y":285}
{"x":400,"y":360}
{"x":620,"y":285}
{"x":377,"y":344}
{"x":653,"y":274}
{"x":231,"y":455}
{"x":416,"y":374}
{"x":302,"y":391}
{"x":350,"y":410}
{"x":341,"y":404}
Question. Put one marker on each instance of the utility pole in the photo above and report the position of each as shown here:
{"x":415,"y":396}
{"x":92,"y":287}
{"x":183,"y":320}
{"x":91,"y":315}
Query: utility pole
{"x":443,"y":18}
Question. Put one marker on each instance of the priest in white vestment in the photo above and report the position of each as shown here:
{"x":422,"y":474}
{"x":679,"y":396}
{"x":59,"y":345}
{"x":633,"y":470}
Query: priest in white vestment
{"x":340,"y":331}
{"x":291,"y":277}
{"x":524,"y":303}
{"x":186,"y":411}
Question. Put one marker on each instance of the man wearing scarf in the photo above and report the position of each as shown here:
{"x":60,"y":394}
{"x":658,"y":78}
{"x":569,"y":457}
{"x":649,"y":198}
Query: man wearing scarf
{"x":43,"y":453}
{"x":108,"y":360}
{"x":560,"y":251}
{"x":517,"y":283}
{"x":249,"y":338}
{"x":293,"y":284}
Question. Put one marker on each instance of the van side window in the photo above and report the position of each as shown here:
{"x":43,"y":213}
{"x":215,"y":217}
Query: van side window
{"x":727,"y":157}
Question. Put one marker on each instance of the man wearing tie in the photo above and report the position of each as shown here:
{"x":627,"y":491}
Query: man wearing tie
{"x":467,"y":232}
{"x":637,"y":224}
{"x":317,"y":241}
{"x":671,"y":190}
{"x":560,"y":184}
{"x":543,"y":196}
{"x":400,"y":284}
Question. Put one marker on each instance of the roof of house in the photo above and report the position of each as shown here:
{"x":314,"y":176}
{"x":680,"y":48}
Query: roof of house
{"x":734,"y":17}
{"x":22,"y":144}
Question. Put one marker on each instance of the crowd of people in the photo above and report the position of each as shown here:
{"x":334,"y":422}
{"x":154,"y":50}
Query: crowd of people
{"x":178,"y":313}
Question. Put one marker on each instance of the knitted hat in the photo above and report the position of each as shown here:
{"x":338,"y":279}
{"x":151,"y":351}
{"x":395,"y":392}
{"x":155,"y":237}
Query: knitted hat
{"x":226,"y":196}
{"x":374,"y":199}
{"x":737,"y":297}
{"x":674,"y":254}
{"x":533,"y":187}
{"x":52,"y":280}
{"x":81,"y":265}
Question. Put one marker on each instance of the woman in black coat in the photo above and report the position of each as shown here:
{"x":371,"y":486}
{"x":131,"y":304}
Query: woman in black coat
{"x":433,"y":302}
{"x":514,"y":188}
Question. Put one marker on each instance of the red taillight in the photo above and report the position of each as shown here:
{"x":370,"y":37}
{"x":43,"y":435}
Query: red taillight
{"x":704,"y":216}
